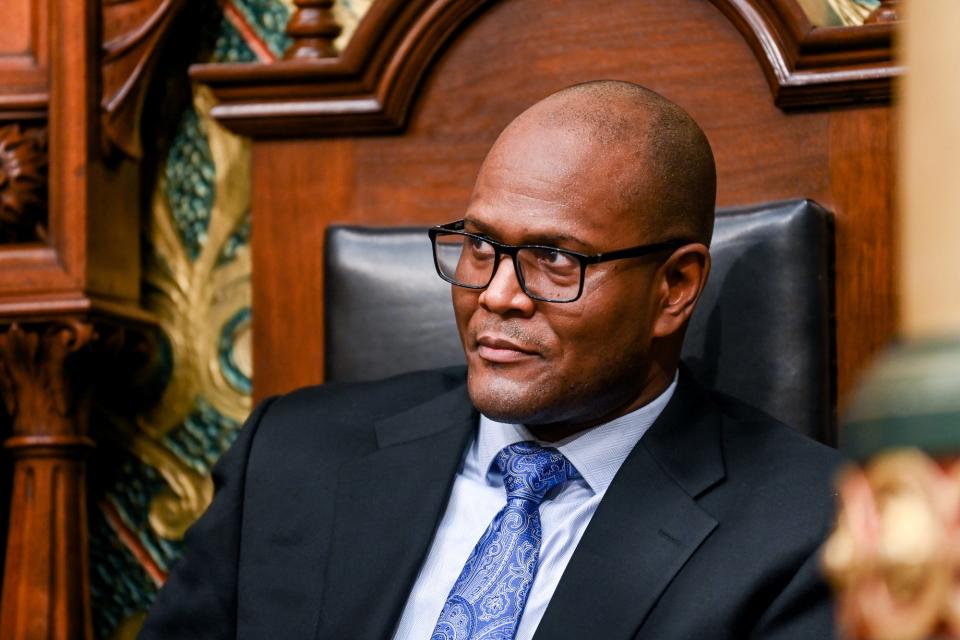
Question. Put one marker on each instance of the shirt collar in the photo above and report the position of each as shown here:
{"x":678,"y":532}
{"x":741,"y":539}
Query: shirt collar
{"x":597,"y":453}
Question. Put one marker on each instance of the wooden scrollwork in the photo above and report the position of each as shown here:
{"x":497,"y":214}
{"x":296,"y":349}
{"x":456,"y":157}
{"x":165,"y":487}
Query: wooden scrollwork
{"x":23,"y":183}
{"x":133,"y":31}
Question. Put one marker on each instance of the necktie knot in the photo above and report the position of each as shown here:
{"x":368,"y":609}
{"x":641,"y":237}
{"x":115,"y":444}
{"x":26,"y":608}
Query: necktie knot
{"x":531,"y":471}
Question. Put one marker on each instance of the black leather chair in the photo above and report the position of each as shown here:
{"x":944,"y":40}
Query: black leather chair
{"x":763,"y":330}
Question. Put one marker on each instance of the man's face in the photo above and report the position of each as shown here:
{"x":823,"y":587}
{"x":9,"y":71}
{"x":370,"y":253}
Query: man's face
{"x":564,"y":364}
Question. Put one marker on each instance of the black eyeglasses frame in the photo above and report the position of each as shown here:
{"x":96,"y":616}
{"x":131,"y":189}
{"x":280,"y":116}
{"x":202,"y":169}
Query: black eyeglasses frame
{"x":501,"y":248}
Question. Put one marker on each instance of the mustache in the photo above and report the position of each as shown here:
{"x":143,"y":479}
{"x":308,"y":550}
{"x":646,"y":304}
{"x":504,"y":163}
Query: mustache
{"x":515,"y":331}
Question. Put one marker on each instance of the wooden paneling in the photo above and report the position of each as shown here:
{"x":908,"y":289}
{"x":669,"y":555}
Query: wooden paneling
{"x":24,"y":59}
{"x":509,"y":56}
{"x":862,"y":185}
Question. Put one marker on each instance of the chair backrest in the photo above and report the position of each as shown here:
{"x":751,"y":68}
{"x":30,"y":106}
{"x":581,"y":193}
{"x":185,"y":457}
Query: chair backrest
{"x":763,"y":330}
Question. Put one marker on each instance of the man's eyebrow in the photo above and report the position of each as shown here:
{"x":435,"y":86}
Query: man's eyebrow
{"x":548,"y":239}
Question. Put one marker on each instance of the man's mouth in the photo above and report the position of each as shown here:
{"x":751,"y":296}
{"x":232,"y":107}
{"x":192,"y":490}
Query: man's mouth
{"x":501,"y":350}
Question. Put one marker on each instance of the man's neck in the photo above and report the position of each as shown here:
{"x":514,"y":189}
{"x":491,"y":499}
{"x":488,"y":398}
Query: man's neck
{"x":555,"y":432}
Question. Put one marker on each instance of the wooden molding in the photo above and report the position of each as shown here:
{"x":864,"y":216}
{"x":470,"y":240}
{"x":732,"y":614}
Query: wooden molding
{"x":19,"y":107}
{"x":24,"y":71}
{"x":369,"y":87}
{"x":812,"y":66}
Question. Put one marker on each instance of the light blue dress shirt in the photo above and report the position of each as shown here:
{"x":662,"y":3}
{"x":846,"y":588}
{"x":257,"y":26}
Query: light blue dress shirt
{"x":478,"y":495}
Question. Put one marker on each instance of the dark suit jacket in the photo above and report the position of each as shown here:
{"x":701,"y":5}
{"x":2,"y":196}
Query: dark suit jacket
{"x":327,"y":503}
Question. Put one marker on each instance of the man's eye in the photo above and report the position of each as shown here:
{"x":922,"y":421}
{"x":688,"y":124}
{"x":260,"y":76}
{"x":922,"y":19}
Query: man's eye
{"x":479,"y":247}
{"x":555,"y":259}
{"x":551,"y":257}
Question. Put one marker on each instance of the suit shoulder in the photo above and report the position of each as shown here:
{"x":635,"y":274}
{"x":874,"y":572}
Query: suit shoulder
{"x":751,"y":429}
{"x":346,"y":411}
{"x":792,"y":475}
{"x":370,"y":398}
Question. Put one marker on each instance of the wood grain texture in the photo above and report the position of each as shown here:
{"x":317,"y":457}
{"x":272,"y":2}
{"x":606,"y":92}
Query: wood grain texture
{"x":499,"y":64}
{"x":862,"y":192}
{"x":288,"y":303}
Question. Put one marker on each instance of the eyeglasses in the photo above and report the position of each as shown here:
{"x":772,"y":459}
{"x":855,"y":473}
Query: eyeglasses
{"x":545,"y":273}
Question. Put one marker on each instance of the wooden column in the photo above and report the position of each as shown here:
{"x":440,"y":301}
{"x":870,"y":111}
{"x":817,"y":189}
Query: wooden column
{"x":46,"y":591}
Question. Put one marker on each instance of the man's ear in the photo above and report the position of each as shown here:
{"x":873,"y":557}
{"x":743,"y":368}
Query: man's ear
{"x":683,"y":277}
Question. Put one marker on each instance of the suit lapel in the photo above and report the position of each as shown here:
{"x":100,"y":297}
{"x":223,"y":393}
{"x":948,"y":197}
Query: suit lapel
{"x":388,"y":506}
{"x":646,"y":527}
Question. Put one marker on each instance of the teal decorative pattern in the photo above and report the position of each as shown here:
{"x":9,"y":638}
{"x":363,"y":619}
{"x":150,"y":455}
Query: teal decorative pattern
{"x":119,"y":584}
{"x":190,"y":182}
{"x":239,"y":238}
{"x":230,"y":45}
{"x":203,"y":437}
{"x":268,"y":18}
{"x":228,"y":342}
{"x":133,"y":488}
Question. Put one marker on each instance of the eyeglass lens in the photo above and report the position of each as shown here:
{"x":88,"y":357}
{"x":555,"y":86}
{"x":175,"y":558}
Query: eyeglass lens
{"x":547,"y":273}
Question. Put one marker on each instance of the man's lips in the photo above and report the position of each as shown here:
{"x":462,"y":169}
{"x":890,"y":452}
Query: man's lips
{"x":501,"y":350}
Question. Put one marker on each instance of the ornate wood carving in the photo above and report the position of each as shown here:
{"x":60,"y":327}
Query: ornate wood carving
{"x":132,"y":33}
{"x":313,"y":29}
{"x":23,"y":183}
{"x":370,"y":85}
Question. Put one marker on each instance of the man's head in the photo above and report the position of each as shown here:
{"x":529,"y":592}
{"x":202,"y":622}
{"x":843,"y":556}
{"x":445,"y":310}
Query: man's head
{"x":594,"y":168}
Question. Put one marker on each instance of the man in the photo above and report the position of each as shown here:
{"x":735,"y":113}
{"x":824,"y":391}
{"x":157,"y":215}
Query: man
{"x":574,"y":482}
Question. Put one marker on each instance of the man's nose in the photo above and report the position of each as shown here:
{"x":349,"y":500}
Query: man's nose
{"x":504,"y":294}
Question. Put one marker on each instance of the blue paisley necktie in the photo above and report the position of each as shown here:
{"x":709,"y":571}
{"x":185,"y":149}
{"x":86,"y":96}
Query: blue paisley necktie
{"x":487,"y":600}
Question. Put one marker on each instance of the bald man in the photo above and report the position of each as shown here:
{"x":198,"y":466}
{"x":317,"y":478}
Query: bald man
{"x":573,"y":481}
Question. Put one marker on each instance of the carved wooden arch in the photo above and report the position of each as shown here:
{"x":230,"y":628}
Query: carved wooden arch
{"x":369,"y":88}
